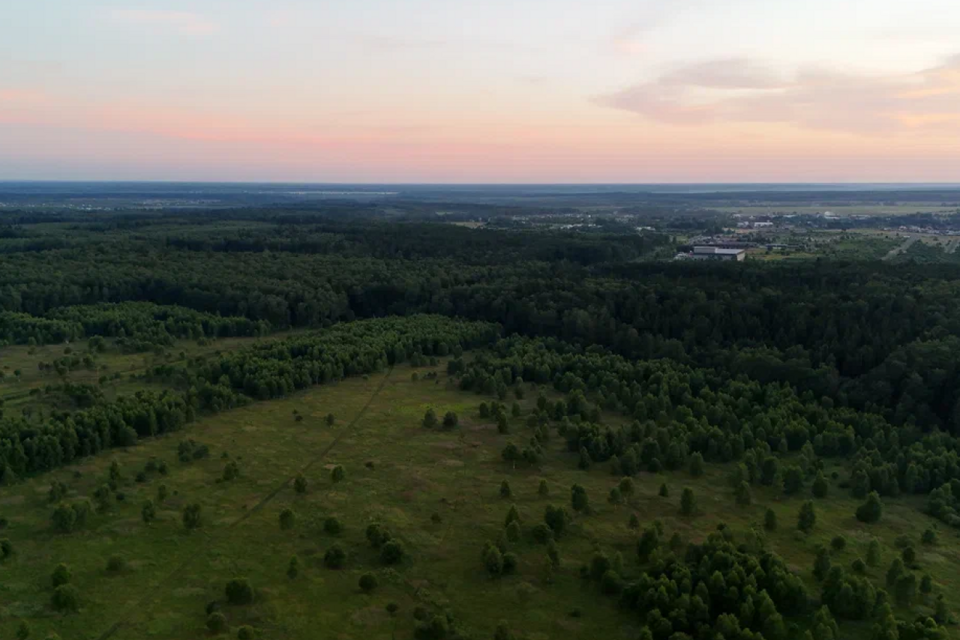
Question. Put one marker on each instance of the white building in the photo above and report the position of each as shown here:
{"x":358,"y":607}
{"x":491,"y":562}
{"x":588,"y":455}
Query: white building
{"x":718,"y":253}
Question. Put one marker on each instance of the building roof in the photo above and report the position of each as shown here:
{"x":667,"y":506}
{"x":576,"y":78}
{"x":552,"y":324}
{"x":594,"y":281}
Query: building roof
{"x":718,"y":251}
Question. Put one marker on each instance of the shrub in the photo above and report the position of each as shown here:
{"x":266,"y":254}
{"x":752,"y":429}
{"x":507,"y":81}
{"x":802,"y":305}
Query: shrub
{"x":287,"y":519}
{"x":492,"y":559}
{"x":66,"y":597}
{"x":512,"y":515}
{"x":744,"y":495}
{"x":300,"y":484}
{"x":664,"y":491}
{"x":337,"y":474}
{"x":293,"y":567}
{"x":509,"y":563}
{"x":6,"y":549}
{"x":634,"y":522}
{"x":859,"y":566}
{"x":161,"y":493}
{"x":505,"y":491}
{"x":556,"y":519}
{"x":368,"y":582}
{"x":116,"y":564}
{"x":807,"y":517}
{"x":391,"y":552}
{"x":246,"y":632}
{"x":239,"y":591}
{"x":23,"y":631}
{"x":64,"y":518}
{"x":579,"y":500}
{"x":430,"y":419}
{"x":335,"y":557}
{"x":839,"y":543}
{"x":216,"y":622}
{"x":871,"y":510}
{"x":450,"y":420}
{"x":330,"y":419}
{"x":873,"y":553}
{"x":909,"y":556}
{"x":820,"y":487}
{"x":615,"y":496}
{"x":543,"y":490}
{"x":61,"y":575}
{"x":626,"y":487}
{"x":542,"y":533}
{"x":513,"y":531}
{"x":332,"y":526}
{"x":148,"y":512}
{"x":192,"y":516}
{"x":696,"y":464}
{"x":688,"y":502}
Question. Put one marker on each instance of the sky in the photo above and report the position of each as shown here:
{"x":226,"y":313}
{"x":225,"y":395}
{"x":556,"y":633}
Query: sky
{"x":466,"y":91}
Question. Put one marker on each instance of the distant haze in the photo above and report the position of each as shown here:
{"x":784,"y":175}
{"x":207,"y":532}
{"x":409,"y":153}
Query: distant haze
{"x":519,"y":91}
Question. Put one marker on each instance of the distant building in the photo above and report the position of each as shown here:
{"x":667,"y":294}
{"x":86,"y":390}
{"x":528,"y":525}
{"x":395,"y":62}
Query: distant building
{"x":718,"y":253}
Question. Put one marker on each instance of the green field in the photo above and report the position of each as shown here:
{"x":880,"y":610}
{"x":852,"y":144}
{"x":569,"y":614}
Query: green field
{"x":437,"y":491}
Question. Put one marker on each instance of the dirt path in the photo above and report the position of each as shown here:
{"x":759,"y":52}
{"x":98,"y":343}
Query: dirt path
{"x":893,"y":253}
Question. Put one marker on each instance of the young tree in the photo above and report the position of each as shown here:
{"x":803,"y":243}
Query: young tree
{"x":23,"y":631}
{"x":553,"y":553}
{"x":627,"y":488}
{"x":191,"y":516}
{"x":368,"y":582}
{"x":512,"y":515}
{"x":688,"y":502}
{"x":391,"y":552}
{"x":216,"y":622}
{"x":579,"y":500}
{"x":770,"y":520}
{"x":513,"y":531}
{"x":65,"y":598}
{"x":505,"y":491}
{"x":287,"y":519}
{"x":337,"y":474}
{"x":335,"y":557}
{"x":555,"y":518}
{"x":161,"y":493}
{"x":430,"y":419}
{"x":300,"y":484}
{"x":696,"y":464}
{"x":744,"y":495}
{"x":873,"y":553}
{"x":821,"y":566}
{"x":239,"y":591}
{"x":615,"y":496}
{"x":634,"y":522}
{"x":664,"y":491}
{"x":807,"y":517}
{"x":648,"y":543}
{"x":450,"y":420}
{"x":543,"y":490}
{"x":293,"y":567}
{"x":871,"y":510}
{"x":61,"y":575}
{"x":148,"y":512}
{"x":333,"y":526}
{"x":820,"y":486}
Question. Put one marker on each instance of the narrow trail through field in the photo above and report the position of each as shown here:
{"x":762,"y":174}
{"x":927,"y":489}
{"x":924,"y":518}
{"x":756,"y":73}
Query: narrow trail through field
{"x":165,"y":582}
{"x":893,"y":253}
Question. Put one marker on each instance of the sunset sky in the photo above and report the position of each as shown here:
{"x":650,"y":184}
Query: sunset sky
{"x":481,"y":91}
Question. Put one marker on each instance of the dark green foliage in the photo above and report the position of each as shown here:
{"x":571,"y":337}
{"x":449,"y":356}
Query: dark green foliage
{"x":300,"y":484}
{"x":556,"y":518}
{"x":239,"y":591}
{"x":287,"y":519}
{"x":161,"y":493}
{"x":368,"y":582}
{"x":505,"y":491}
{"x":807,"y":517}
{"x":770,"y":520}
{"x":492,"y":559}
{"x":634,"y":522}
{"x":293,"y":567}
{"x":579,"y":500}
{"x":335,"y":557}
{"x":839,"y":543}
{"x":696,"y":465}
{"x":664,"y":491}
{"x":231,"y":471}
{"x":61,"y":575}
{"x":688,"y":502}
{"x":543,"y":490}
{"x":65,"y":598}
{"x":648,"y":543}
{"x":820,"y":486}
{"x":6,"y":549}
{"x":116,"y":564}
{"x":873,"y":553}
{"x":821,"y":566}
{"x":871,"y":510}
{"x":430,"y":420}
{"x":391,"y":552}
{"x":615,"y":497}
{"x":216,"y":622}
{"x":246,"y":632}
{"x":23,"y":630}
{"x":926,"y":584}
{"x":626,"y":487}
{"x":909,"y":556}
{"x":330,"y":419}
{"x":792,"y":480}
{"x":509,"y":563}
{"x":337,"y":474}
{"x":513,"y":531}
{"x":377,"y":535}
{"x":333,"y":526}
{"x":148,"y":512}
{"x":450,"y":420}
{"x":743,"y":494}
{"x":859,"y":566}
{"x":192,"y":516}
{"x":929,"y":537}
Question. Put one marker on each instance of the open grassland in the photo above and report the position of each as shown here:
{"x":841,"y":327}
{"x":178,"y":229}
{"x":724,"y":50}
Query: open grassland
{"x":437,"y":491}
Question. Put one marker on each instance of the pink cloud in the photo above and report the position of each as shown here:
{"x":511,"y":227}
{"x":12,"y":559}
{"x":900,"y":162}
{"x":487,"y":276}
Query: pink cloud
{"x":183,"y":22}
{"x":743,"y":91}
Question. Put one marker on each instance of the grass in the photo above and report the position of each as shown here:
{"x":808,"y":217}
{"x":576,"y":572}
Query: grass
{"x":412,"y":474}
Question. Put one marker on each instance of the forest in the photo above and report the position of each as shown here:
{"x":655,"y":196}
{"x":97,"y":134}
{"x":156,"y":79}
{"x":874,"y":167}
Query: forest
{"x":826,"y":390}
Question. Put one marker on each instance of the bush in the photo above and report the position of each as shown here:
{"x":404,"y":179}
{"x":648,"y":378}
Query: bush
{"x":66,"y":597}
{"x":696,"y":465}
{"x":859,"y":566}
{"x":744,"y":495}
{"x":337,"y":474}
{"x":216,"y":622}
{"x":161,"y":493}
{"x":300,"y":484}
{"x":807,"y":517}
{"x":579,"y":500}
{"x":615,"y":496}
{"x":246,"y":632}
{"x":873,"y":553}
{"x":909,"y":556}
{"x":191,"y":516}
{"x":430,"y":419}
{"x":61,"y":575}
{"x":377,"y":535}
{"x":335,"y":557}
{"x":450,"y":420}
{"x":116,"y":564}
{"x":239,"y":591}
{"x":509,"y":563}
{"x":505,"y":491}
{"x":839,"y":543}
{"x":543,"y":490}
{"x":633,"y":522}
{"x":626,"y":487}
{"x":929,"y":537}
{"x":287,"y":519}
{"x":368,"y":582}
{"x":231,"y":471}
{"x":871,"y":510}
{"x":513,"y":531}
{"x":6,"y":549}
{"x":820,"y":487}
{"x":391,"y":552}
{"x":293,"y":567}
{"x":332,"y":526}
{"x":63,"y":518}
{"x":148,"y":512}
{"x":688,"y":502}
{"x":556,"y":518}
{"x":542,"y":533}
{"x":664,"y":491}
{"x":492,"y":559}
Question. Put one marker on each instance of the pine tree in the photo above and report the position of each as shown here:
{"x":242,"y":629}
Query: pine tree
{"x":807,"y":517}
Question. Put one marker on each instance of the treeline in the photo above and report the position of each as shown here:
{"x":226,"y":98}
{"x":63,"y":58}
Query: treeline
{"x":679,"y":411}
{"x":266,"y":370}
